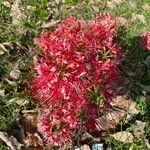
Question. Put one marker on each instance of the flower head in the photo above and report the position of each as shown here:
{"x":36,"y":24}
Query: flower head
{"x":77,"y":56}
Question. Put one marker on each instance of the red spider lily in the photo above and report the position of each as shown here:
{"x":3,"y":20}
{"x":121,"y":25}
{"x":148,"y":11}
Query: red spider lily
{"x":77,"y":56}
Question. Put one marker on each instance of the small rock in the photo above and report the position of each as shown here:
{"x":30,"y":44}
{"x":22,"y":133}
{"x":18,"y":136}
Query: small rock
{"x":126,"y":104}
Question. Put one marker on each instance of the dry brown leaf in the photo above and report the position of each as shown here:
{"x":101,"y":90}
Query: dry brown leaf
{"x":85,"y":147}
{"x":125,"y":104}
{"x":139,"y":128}
{"x":10,"y":141}
{"x":110,"y":120}
{"x":123,"y":136}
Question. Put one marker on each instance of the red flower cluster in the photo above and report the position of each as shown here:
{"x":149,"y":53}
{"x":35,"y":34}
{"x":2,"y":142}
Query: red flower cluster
{"x":145,"y":39}
{"x":78,"y":56}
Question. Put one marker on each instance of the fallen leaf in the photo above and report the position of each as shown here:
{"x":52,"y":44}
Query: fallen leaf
{"x":113,"y":3}
{"x":110,"y":120}
{"x":85,"y":147}
{"x":123,"y":136}
{"x":138,"y":17}
{"x":125,"y":103}
{"x":139,"y":128}
{"x":10,"y":141}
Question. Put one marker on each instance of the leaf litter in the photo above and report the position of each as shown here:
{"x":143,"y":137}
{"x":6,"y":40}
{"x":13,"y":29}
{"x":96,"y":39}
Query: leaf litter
{"x":123,"y":136}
